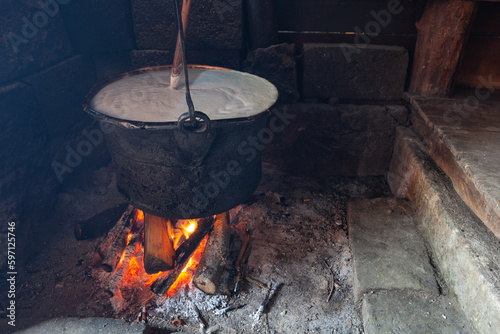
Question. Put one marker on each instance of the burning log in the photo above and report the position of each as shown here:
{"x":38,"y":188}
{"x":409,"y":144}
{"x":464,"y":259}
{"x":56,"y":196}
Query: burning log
{"x":159,"y":253}
{"x":134,"y":240}
{"x":163,"y":283}
{"x":100,"y":223}
{"x":184,"y":252}
{"x":116,"y":241}
{"x":215,"y":256}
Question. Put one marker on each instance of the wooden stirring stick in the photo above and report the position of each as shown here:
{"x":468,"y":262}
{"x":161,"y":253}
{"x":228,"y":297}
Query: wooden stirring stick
{"x":177,"y":67}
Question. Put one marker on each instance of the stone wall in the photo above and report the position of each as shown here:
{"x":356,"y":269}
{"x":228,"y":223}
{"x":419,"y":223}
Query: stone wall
{"x":340,"y":105}
{"x":342,"y":139}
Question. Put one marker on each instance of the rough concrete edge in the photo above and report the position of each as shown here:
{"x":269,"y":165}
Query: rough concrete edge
{"x":439,"y":147}
{"x":458,"y":238}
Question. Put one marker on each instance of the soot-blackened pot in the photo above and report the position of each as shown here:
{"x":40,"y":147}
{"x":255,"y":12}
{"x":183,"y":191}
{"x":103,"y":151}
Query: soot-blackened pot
{"x":168,"y":170}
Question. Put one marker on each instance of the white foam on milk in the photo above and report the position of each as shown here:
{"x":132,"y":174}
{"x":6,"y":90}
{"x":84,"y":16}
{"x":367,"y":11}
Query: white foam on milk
{"x":221,"y":94}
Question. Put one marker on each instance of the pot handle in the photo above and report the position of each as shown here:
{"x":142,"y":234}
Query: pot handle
{"x":201,"y":125}
{"x":194,"y":140}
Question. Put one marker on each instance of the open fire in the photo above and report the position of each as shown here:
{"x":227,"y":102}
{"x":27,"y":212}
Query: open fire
{"x":120,"y":258}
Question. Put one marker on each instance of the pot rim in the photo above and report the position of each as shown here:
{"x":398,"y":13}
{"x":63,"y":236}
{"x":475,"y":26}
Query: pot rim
{"x":156,"y":125}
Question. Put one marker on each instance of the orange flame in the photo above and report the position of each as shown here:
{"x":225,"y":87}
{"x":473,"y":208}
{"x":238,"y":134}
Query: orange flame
{"x":122,"y":257}
{"x":186,"y":276}
{"x":139,"y":215}
{"x":184,"y":228}
{"x":190,"y":228}
{"x":133,"y":268}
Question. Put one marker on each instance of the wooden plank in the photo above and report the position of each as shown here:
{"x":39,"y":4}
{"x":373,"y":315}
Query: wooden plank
{"x":442,"y":33}
{"x":159,"y":253}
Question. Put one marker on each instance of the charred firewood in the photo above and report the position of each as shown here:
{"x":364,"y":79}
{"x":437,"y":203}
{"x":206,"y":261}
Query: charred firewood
{"x":199,"y":317}
{"x":256,"y":282}
{"x":241,"y":259}
{"x":115,"y":242}
{"x":99,"y":224}
{"x":229,"y":308}
{"x":161,"y":285}
{"x":264,"y":303}
{"x":215,"y":256}
{"x":159,"y":253}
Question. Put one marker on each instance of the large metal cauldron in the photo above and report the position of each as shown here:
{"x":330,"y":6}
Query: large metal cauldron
{"x":169,"y":171}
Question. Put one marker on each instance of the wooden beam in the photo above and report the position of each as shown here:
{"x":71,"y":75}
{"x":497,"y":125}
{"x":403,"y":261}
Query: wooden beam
{"x":442,"y":34}
{"x":159,"y":253}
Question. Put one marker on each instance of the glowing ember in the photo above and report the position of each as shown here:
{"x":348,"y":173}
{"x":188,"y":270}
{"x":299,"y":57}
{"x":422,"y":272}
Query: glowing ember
{"x":153,"y":278}
{"x":133,"y":266}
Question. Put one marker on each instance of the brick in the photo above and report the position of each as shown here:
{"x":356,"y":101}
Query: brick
{"x":277,"y":64}
{"x":374,"y":72}
{"x":388,"y":251}
{"x":24,"y":131}
{"x":60,"y":90}
{"x":43,"y":46}
{"x":110,"y":64}
{"x":212,"y":25}
{"x":345,"y":140}
{"x":99,"y":26}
